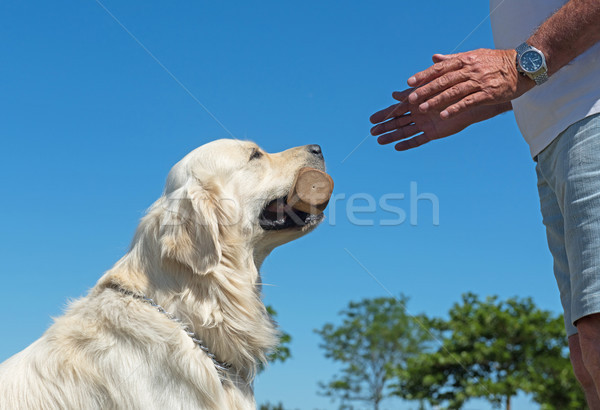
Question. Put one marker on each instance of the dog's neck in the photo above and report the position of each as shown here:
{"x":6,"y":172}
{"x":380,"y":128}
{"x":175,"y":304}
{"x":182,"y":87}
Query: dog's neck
{"x":223,"y":306}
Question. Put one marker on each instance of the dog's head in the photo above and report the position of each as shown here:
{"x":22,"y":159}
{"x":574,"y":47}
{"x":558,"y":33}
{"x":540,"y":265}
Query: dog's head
{"x":231,"y":193}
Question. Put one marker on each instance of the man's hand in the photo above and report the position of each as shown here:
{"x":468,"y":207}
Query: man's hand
{"x":404,"y":120}
{"x":465,"y":88}
{"x":459,"y":82}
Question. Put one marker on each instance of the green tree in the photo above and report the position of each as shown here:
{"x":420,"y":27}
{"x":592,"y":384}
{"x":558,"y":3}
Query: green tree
{"x":375,"y":337}
{"x":554,"y":385}
{"x":269,"y":406}
{"x":282,"y":351}
{"x":493,"y":350}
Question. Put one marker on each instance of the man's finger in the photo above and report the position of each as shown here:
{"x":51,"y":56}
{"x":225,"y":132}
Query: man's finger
{"x":435,"y":71}
{"x":392,"y":124}
{"x":470,"y":101}
{"x":394,"y":110}
{"x":399,"y":134}
{"x":439,"y":85}
{"x":402,"y":96}
{"x":412,"y":143}
{"x":450,"y":96}
{"x":438,"y":58}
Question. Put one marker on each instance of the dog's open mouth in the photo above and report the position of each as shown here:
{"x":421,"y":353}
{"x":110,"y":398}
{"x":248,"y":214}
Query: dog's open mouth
{"x":279,"y":215}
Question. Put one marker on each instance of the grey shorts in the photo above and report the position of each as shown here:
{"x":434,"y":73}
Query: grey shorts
{"x":568,"y":173}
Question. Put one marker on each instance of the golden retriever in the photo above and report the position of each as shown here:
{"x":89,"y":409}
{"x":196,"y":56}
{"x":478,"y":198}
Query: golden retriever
{"x":178,"y":322}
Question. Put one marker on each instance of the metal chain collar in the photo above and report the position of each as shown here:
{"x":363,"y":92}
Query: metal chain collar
{"x":222,"y":366}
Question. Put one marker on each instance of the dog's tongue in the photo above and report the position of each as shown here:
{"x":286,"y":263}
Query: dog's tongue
{"x":277,"y":207}
{"x":311,"y":191}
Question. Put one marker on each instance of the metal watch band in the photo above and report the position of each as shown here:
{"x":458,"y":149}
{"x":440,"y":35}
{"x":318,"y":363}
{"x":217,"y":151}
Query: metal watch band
{"x":521,"y":49}
{"x":540,"y":78}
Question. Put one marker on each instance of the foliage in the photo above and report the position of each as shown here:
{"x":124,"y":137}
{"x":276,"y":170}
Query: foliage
{"x":269,"y":406}
{"x":493,"y":350}
{"x":282,"y":351}
{"x":375,"y":338}
{"x":554,"y":384}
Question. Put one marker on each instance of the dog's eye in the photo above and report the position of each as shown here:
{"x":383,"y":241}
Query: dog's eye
{"x":255,"y":154}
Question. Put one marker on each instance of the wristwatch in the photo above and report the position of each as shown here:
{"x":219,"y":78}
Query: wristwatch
{"x":532,"y":63}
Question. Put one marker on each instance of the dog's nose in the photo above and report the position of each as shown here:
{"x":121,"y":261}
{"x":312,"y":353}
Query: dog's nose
{"x":315,"y":150}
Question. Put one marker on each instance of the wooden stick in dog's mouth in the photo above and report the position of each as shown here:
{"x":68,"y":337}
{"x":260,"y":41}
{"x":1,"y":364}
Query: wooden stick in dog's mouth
{"x":304,"y":205}
{"x":311,"y":191}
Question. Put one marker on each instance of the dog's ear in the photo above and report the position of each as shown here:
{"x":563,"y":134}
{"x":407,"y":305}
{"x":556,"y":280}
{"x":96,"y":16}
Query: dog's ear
{"x":189,"y":229}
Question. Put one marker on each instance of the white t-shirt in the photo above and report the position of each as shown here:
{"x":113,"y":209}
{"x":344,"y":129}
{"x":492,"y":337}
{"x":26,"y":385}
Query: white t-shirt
{"x":570,"y":95}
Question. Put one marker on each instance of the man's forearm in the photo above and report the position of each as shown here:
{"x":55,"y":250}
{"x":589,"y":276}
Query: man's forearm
{"x":570,"y":31}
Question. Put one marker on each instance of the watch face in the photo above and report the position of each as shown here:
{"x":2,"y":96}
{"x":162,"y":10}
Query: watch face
{"x":531,"y":61}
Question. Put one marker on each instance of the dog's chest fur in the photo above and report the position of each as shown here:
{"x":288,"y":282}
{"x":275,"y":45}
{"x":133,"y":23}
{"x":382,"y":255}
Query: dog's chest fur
{"x":106,"y":354}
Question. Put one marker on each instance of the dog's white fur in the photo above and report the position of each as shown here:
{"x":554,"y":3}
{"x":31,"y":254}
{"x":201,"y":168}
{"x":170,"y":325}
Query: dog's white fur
{"x":197,"y":253}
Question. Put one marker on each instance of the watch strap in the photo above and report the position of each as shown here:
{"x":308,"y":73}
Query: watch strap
{"x":542,"y":76}
{"x":521,"y":49}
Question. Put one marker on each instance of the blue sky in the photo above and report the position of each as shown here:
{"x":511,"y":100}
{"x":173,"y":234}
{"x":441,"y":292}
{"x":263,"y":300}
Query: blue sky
{"x":90,"y":125}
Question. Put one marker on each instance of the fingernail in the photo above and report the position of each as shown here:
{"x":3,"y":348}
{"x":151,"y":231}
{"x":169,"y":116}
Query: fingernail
{"x":412,"y":81}
{"x":445,"y":114}
{"x":413,"y":97}
{"x":424,"y":106}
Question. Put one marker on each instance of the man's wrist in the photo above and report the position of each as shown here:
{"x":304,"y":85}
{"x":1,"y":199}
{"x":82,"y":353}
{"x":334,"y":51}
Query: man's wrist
{"x":503,"y":107}
{"x":498,"y":109}
{"x":543,"y":48}
{"x":531,"y":63}
{"x":485,"y":112}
